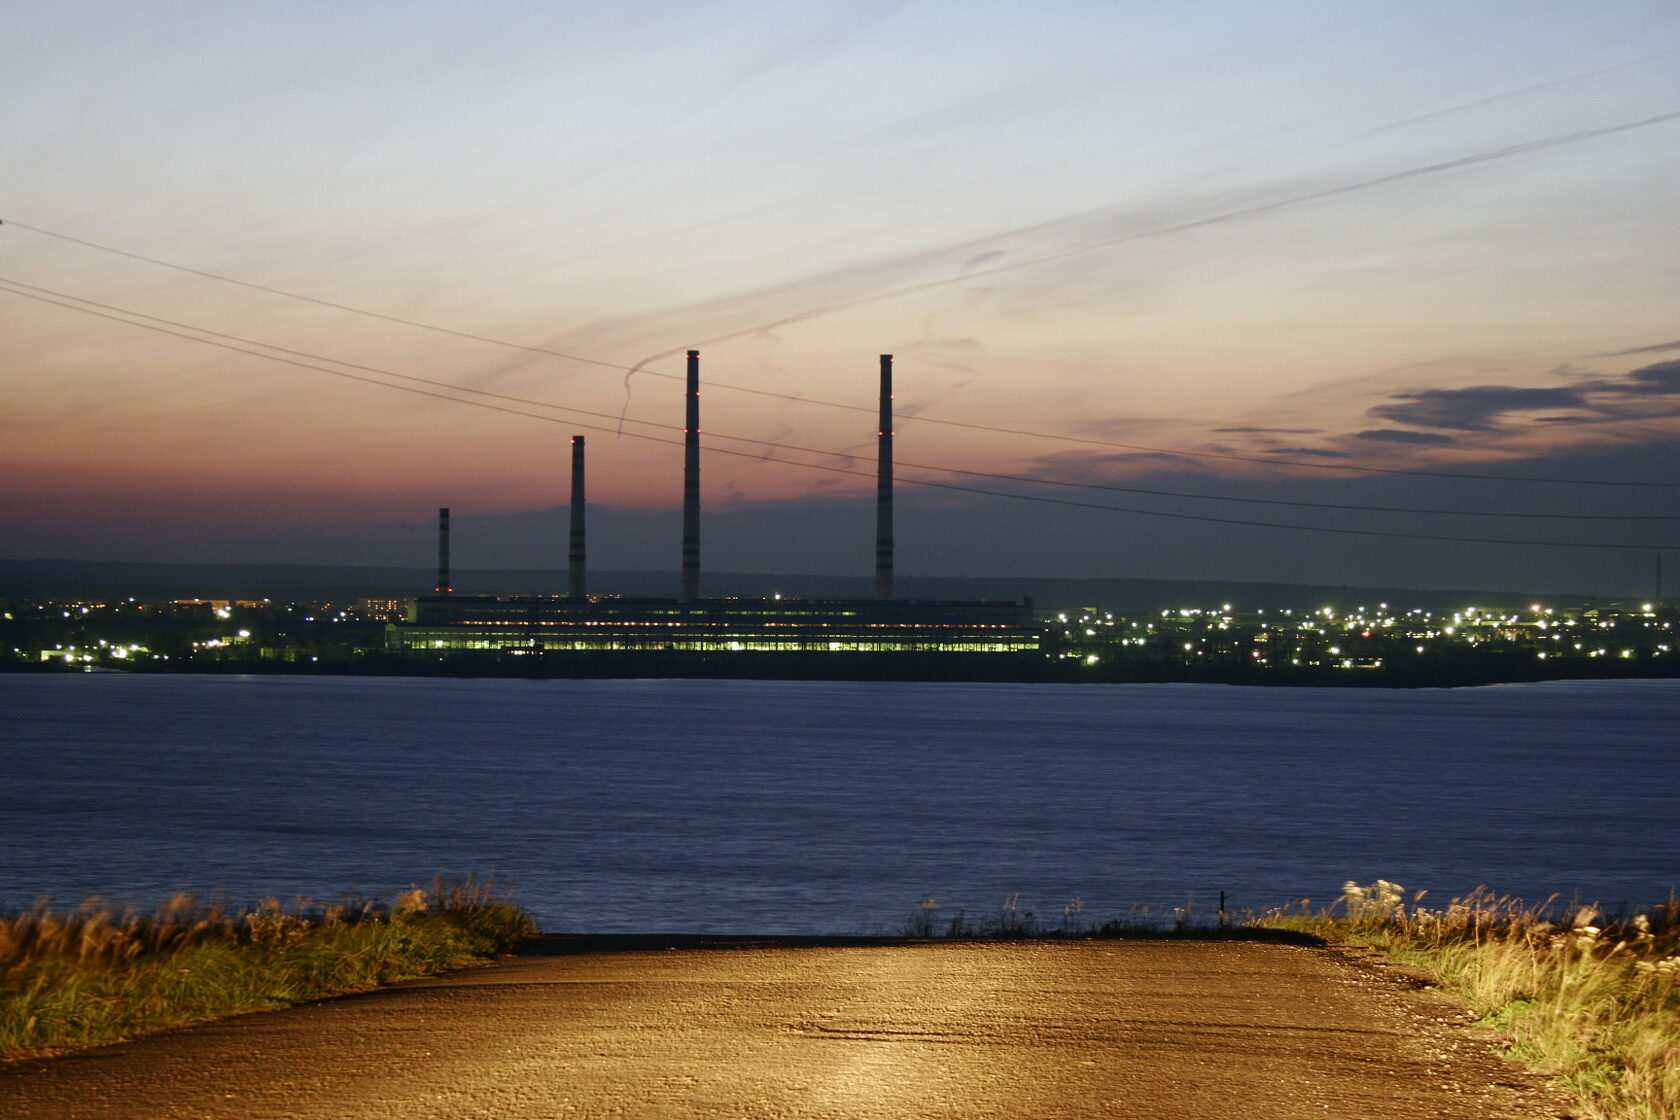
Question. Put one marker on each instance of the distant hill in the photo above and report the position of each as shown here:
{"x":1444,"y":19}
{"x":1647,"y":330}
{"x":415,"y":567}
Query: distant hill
{"x":32,"y":579}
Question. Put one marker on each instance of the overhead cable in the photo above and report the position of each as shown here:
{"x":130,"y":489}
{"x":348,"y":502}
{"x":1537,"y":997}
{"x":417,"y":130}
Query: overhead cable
{"x":15,"y":285}
{"x":797,"y":398}
{"x":1039,"y":498}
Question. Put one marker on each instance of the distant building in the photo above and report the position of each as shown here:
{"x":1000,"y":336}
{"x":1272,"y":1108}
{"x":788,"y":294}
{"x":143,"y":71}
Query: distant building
{"x":712,"y":629}
{"x":531,"y":624}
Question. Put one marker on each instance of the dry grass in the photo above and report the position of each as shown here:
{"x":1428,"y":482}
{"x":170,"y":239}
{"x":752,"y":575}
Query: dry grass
{"x":96,"y":974}
{"x":1592,"y":1000}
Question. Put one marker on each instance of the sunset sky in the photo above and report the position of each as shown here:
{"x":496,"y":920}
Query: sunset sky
{"x":1441,"y":236}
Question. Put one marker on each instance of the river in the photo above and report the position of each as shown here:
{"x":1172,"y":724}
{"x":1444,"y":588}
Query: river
{"x":798,"y":807}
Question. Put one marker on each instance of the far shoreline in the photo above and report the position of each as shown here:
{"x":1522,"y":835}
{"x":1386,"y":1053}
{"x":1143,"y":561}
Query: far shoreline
{"x":957,"y":668}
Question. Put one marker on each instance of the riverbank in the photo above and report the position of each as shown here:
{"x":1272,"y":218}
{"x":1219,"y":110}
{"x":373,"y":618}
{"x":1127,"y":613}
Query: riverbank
{"x":924,"y":668}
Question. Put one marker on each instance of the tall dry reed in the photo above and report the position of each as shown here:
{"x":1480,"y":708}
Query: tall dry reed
{"x":97,"y":974}
{"x":1591,"y":999}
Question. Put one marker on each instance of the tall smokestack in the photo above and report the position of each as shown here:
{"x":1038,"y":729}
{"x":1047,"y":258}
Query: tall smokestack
{"x":575,"y":584}
{"x":691,"y":485}
{"x":884,"y":489}
{"x":443,"y":587}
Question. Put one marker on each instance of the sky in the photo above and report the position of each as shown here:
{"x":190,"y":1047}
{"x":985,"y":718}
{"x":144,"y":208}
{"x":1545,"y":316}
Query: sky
{"x":276,"y":282}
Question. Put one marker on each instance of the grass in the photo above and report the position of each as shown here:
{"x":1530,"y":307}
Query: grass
{"x":99,"y":975}
{"x":1590,"y":999}
{"x":1013,"y":921}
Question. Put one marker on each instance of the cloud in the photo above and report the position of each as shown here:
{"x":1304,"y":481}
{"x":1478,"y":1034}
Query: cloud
{"x":1475,"y":409}
{"x":1320,"y":452}
{"x":817,"y":43}
{"x":1661,"y":379}
{"x":767,"y":308}
{"x":957,"y":354}
{"x":1096,"y":465}
{"x":1524,"y":91}
{"x":1395,"y":435}
{"x":1119,"y":427}
{"x":1273,"y":431}
{"x":1659,"y":348}
{"x":1484,"y":408}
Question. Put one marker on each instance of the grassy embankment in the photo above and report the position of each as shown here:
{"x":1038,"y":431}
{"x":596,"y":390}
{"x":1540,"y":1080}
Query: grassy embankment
{"x":98,"y":975}
{"x":1592,"y":1001}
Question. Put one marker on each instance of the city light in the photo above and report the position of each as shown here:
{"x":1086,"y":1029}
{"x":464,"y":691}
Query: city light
{"x":1388,"y":642}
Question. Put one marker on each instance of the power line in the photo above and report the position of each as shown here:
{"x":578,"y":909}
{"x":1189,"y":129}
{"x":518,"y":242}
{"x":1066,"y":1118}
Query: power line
{"x":1343,"y":531}
{"x":317,"y":301}
{"x":1278,"y":525}
{"x":1403,"y":175}
{"x":924,"y":419}
{"x":1299,"y":504}
{"x":43,"y":293}
{"x":275,"y":357}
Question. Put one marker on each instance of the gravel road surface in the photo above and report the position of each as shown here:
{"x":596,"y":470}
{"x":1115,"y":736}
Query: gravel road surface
{"x":1169,"y":1030}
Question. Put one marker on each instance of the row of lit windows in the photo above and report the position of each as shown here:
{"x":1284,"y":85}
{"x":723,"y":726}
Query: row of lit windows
{"x":746,"y":645}
{"x":709,"y":624}
{"x":517,"y":610}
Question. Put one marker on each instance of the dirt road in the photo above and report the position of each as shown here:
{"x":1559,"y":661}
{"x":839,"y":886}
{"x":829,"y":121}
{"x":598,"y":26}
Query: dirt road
{"x":1117,"y":1029}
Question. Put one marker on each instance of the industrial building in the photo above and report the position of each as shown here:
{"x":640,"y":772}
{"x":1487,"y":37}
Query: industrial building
{"x":536,"y":624}
{"x":446,"y":624}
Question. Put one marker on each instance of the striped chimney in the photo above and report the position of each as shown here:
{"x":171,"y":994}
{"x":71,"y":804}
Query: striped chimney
{"x":691,"y":485}
{"x":443,"y":587}
{"x":576,"y":579}
{"x":884,"y":488}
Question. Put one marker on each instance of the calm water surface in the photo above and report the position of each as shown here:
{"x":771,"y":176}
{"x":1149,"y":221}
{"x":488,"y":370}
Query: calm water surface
{"x":747,"y":806}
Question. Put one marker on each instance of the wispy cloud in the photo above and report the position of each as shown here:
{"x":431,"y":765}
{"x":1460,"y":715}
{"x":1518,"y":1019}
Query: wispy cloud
{"x":1315,"y":452}
{"x":1658,"y":348}
{"x":1097,"y":465}
{"x":815,"y":43}
{"x":1088,"y":232}
{"x":1271,"y":431}
{"x":1397,"y":435}
{"x":1494,"y":99}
